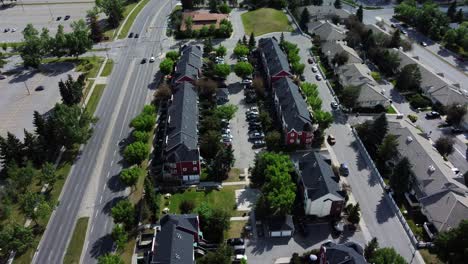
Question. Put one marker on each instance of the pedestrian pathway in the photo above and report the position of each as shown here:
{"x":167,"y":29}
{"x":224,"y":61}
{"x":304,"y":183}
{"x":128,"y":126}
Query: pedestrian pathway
{"x":239,"y":218}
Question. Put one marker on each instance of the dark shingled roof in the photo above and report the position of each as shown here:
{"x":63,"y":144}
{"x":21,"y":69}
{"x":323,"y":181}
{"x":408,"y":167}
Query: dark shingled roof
{"x":182,"y":143}
{"x":317,"y":176}
{"x":275,"y":58}
{"x":294,"y":109}
{"x":349,"y":253}
{"x":174,"y":245}
{"x":190,"y":63}
{"x":280,"y":223}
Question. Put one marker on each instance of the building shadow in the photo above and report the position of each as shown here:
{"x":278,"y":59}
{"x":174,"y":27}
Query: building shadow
{"x":384,"y":211}
{"x":102,"y":246}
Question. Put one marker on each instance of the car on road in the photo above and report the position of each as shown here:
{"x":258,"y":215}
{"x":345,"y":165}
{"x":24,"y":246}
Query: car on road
{"x":314,"y":68}
{"x":6,"y":30}
{"x":2,"y":77}
{"x":152,"y":59}
{"x":331,"y":139}
{"x":13,"y":30}
{"x":456,"y":130}
{"x":130,"y":35}
{"x":310,"y":60}
{"x":59,"y":18}
{"x":66,"y":17}
{"x":334,"y":105}
{"x":137,"y":35}
{"x":246,"y":81}
{"x":432,"y":115}
{"x":235,"y":241}
{"x":259,"y":143}
{"x":39,"y":88}
{"x":302,"y":78}
{"x":344,"y":170}
{"x":143,"y":61}
{"x":404,"y":32}
{"x":424,"y":44}
{"x":318,"y":77}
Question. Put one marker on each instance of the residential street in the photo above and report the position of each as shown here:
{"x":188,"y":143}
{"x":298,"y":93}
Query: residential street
{"x":94,"y":175}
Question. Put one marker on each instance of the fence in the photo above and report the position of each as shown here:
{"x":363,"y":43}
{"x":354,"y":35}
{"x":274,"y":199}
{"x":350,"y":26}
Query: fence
{"x":394,"y":206}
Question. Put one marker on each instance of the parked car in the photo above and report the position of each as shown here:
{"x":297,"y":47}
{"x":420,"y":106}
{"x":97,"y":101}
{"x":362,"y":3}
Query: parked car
{"x":331,"y":139}
{"x":432,"y":115}
{"x":239,"y":251}
{"x":143,"y":61}
{"x":344,"y":170}
{"x":314,"y":69}
{"x":226,"y":136}
{"x":152,"y":59}
{"x":6,"y":30}
{"x":2,"y":77}
{"x":253,"y":108}
{"x":243,"y":59}
{"x":235,"y":241}
{"x":302,"y":78}
{"x":59,"y":18}
{"x":318,"y":77}
{"x":226,"y":131}
{"x":456,"y":130}
{"x":424,"y":44}
{"x":66,"y":17}
{"x":338,"y":227}
{"x":256,"y":135}
{"x":246,"y":81}
{"x":39,"y":88}
{"x":310,"y":60}
{"x":259,"y":143}
{"x":404,"y":32}
{"x":334,"y":105}
{"x":252,"y":112}
{"x":130,"y":35}
{"x":136,"y":35}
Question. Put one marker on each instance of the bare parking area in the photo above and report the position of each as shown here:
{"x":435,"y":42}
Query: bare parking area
{"x":14,"y":18}
{"x":17,"y":105}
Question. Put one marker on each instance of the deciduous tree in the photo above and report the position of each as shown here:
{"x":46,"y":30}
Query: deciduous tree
{"x":402,"y":177}
{"x":243,"y":69}
{"x":241,"y":50}
{"x":48,"y":174}
{"x":166,"y":66}
{"x":129,"y":176}
{"x":444,"y":145}
{"x":110,"y":259}
{"x":455,"y":113}
{"x":119,"y":235}
{"x":124,"y":213}
{"x":360,"y":13}
{"x":409,"y":79}
{"x":71,"y":90}
{"x":15,"y":237}
{"x":136,"y":152}
{"x":451,"y":245}
{"x":387,"y":256}
{"x":114,"y":9}
{"x":226,"y":111}
{"x":222,"y":70}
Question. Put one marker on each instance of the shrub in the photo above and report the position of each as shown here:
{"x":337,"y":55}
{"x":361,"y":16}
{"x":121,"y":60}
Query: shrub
{"x":140,"y":136}
{"x":419,"y":101}
{"x":186,"y":207}
{"x":376,"y":76}
{"x":143,"y":122}
{"x":136,"y":152}
{"x":413,"y":118}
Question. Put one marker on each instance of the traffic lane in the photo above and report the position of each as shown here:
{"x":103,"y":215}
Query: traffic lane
{"x":376,"y":211}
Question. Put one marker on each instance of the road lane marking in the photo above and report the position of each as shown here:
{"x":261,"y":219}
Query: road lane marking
{"x":104,"y":187}
{"x":95,"y":215}
{"x":112,"y":162}
{"x":108,"y":174}
{"x":461,"y":153}
{"x":105,"y":225}
{"x":100,"y":200}
{"x":92,"y":228}
{"x":115,"y":151}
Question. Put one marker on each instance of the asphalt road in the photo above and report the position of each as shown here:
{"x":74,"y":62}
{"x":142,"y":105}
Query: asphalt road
{"x":95,"y":172}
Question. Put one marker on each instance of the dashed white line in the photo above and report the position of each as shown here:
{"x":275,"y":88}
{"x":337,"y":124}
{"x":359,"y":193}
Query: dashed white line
{"x":95,"y":215}
{"x":105,"y":225}
{"x":100,"y":200}
{"x":92,"y":228}
{"x":112,"y":162}
{"x":103,"y":187}
{"x":108,"y":174}
{"x":461,"y":153}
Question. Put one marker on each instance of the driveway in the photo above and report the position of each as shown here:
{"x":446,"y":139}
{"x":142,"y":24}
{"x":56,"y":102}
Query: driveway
{"x":267,"y":250}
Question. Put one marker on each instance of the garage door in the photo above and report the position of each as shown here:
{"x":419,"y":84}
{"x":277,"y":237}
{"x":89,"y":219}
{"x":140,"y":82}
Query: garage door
{"x":286,"y":233}
{"x":276,"y":234}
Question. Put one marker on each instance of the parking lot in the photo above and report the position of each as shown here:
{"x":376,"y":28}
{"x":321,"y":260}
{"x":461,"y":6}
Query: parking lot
{"x":40,"y":15}
{"x":17,"y":105}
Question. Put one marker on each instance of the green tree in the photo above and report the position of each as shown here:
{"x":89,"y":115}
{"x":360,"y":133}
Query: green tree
{"x":79,"y":41}
{"x":213,"y":5}
{"x":3,"y":60}
{"x":241,"y":50}
{"x":304,"y":19}
{"x":222,"y":163}
{"x":71,"y":125}
{"x":409,"y":79}
{"x":226,"y":111}
{"x":166,"y":66}
{"x":459,"y":16}
{"x":143,"y":122}
{"x":110,"y":259}
{"x":186,"y":206}
{"x":224,"y":8}
{"x":323,"y":119}
{"x":370,"y":248}
{"x":141,"y":136}
{"x":402,"y":177}
{"x":208,"y":45}
{"x":340,"y":58}
{"x":48,"y":174}
{"x":266,"y":159}
{"x":388,"y":150}
{"x":163,"y":92}
{"x":243,"y":69}
{"x":387,"y":256}
{"x":451,"y":11}
{"x":451,"y":245}
{"x":221,"y":51}
{"x":31,"y":51}
{"x":187,"y":4}
{"x":96,"y":31}
{"x":273,"y":140}
{"x":396,"y":39}
{"x":360,"y":13}
{"x":42,"y":212}
{"x":252,"y":43}
{"x":46,"y":41}
{"x":29,"y":201}
{"x":114,"y":10}
{"x":129,"y":176}
{"x":222,"y":70}
{"x":60,"y":42}
{"x":455,"y":113}
{"x":337,"y":4}
{"x":124,"y":213}
{"x":173,"y":55}
{"x":20,"y":177}
{"x":136,"y":152}
{"x":213,"y":221}
{"x":298,"y":68}
{"x":279,"y":191}
{"x":209,"y":144}
{"x":119,"y":235}
{"x":444,"y":145}
{"x":16,"y":237}
{"x":354,"y":214}
{"x":11,"y":150}
{"x":71,"y":90}
{"x":222,"y":255}
{"x":350,"y":95}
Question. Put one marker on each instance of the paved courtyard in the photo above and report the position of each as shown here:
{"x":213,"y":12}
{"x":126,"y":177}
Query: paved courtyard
{"x":17,"y":106}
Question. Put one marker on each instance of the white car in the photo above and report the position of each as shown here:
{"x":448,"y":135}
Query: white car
{"x":314,"y":69}
{"x":318,"y":77}
{"x":151,"y":59}
{"x":246,"y":81}
{"x":225,"y":136}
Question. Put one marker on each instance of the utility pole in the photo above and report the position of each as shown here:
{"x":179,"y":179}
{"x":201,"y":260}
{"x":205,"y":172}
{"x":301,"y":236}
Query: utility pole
{"x":27,"y":88}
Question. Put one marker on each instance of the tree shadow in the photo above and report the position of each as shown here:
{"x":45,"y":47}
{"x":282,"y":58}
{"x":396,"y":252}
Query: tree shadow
{"x":23,"y":76}
{"x":102,"y":246}
{"x":384,"y":211}
{"x":108,"y":206}
{"x":56,"y":68}
{"x":114,"y":184}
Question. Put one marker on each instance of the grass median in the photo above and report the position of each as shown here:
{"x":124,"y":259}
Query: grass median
{"x":107,"y":68}
{"x":265,"y":20}
{"x":95,"y":98}
{"x":76,"y":243}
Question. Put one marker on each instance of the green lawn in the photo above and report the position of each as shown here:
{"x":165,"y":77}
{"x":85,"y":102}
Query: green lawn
{"x":76,"y":243}
{"x":236,"y":229}
{"x":87,"y":65}
{"x":233,"y":175}
{"x":429,"y":257}
{"x":95,"y":97}
{"x":126,"y":27}
{"x":220,"y":199}
{"x":391,"y":110}
{"x":265,"y":20}
{"x":107,"y":68}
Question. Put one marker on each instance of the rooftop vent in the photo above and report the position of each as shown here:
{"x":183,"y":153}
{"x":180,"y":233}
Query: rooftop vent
{"x":179,"y":236}
{"x":177,"y":256}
